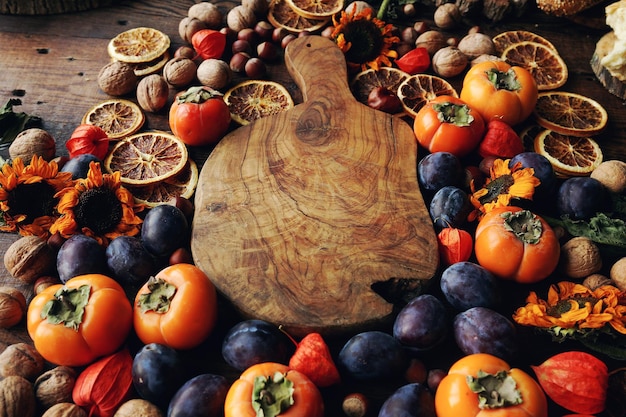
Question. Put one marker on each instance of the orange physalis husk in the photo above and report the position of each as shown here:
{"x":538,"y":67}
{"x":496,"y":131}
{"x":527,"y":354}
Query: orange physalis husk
{"x":312,"y":357}
{"x":105,"y":384}
{"x":455,"y":245}
{"x":500,"y":141}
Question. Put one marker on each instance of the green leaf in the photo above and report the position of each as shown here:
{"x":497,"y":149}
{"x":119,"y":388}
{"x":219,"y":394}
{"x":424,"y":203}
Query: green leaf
{"x":67,"y":307}
{"x":600,"y":229}
{"x":11,"y":123}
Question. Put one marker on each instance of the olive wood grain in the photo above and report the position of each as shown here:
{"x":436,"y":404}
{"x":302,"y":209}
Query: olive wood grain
{"x":298,"y":214}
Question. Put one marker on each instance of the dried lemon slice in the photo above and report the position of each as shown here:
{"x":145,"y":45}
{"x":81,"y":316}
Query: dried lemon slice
{"x":182,"y":184}
{"x":569,"y":155}
{"x":253,"y":99}
{"x":316,"y":9}
{"x":140,"y":44}
{"x":419,"y":89}
{"x":146,"y":158}
{"x":544,"y":64}
{"x":570,"y":113}
{"x":281,"y":15}
{"x":117,"y":117}
{"x":387,"y":77}
{"x":146,"y":68}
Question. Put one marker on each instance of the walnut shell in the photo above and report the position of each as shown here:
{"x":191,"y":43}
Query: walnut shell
{"x":17,"y":398}
{"x":21,"y":359}
{"x":32,"y":142}
{"x":188,"y":26}
{"x":55,"y":386}
{"x":432,"y":40}
{"x":65,"y":410}
{"x":580,"y":257}
{"x":208,"y":13}
{"x":214,"y":73}
{"x":152,"y":93}
{"x":179,"y":72}
{"x":12,"y":307}
{"x":449,"y":62}
{"x":595,"y":281}
{"x":612,"y":174}
{"x":117,"y":78}
{"x":138,"y":408}
{"x":240,"y":17}
{"x":29,"y":258}
{"x":618,"y":273}
{"x":476,"y":44}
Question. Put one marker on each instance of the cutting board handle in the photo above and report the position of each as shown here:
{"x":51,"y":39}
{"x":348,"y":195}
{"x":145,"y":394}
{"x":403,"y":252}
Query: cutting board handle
{"x":318,"y":67}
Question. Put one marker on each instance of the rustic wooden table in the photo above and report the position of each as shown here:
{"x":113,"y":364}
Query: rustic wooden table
{"x":51,"y":63}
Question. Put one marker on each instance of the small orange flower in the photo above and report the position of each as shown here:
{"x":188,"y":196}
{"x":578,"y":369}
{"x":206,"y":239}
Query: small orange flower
{"x":365,"y":40}
{"x":97,"y":206}
{"x":27,"y":195}
{"x":503,"y":185}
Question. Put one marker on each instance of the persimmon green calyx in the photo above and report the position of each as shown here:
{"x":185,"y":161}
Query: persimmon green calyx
{"x":159,"y":297}
{"x":524,"y":225}
{"x":495,"y":390}
{"x":67,"y":307}
{"x":272,"y":395}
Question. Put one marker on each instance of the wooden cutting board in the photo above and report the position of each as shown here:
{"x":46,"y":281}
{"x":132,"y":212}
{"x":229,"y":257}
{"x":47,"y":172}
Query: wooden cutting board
{"x":297,"y":215}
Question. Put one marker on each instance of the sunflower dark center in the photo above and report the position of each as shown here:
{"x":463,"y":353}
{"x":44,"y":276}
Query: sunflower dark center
{"x":563,"y":306}
{"x":366,"y":39}
{"x":98,"y":209}
{"x":33,"y":200}
{"x":497,"y":187}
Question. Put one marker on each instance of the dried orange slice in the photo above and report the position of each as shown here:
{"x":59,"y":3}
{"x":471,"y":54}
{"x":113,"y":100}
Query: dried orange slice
{"x":387,"y":77}
{"x":182,"y":184}
{"x":140,"y":44}
{"x":505,"y":39}
{"x":253,"y":99}
{"x":570,"y":113}
{"x":569,"y":155}
{"x":146,"y":68}
{"x":545,"y":64}
{"x":281,"y":15}
{"x":117,"y":117}
{"x":528,"y":135}
{"x":147,"y":158}
{"x":316,"y":9}
{"x":419,"y":89}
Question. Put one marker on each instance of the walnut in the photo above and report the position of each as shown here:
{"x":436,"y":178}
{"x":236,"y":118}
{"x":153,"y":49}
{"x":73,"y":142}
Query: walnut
{"x":594,"y":281}
{"x":117,"y":78}
{"x":476,"y":44}
{"x":612,"y":174}
{"x":55,"y":386}
{"x":432,"y":40}
{"x":12,"y":307}
{"x":240,"y":17}
{"x":17,"y":398}
{"x":65,"y":410}
{"x":29,"y":258}
{"x":580,"y":257}
{"x":179,"y":72}
{"x":447,"y":16}
{"x":32,"y":142}
{"x":21,"y":359}
{"x":138,"y":408}
{"x":207,"y":13}
{"x":618,"y":273}
{"x":188,"y":26}
{"x":449,"y":61}
{"x":214,"y":73}
{"x":152,"y":93}
{"x":259,"y":7}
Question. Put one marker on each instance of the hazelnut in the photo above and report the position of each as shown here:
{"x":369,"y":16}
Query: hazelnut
{"x":185,"y":51}
{"x":44,"y":282}
{"x":255,"y":68}
{"x":612,"y":174}
{"x":267,"y":51}
{"x":238,"y":62}
{"x":12,"y":307}
{"x":17,"y":397}
{"x":285,"y":41}
{"x":355,"y":405}
{"x":138,"y":407}
{"x":21,"y":359}
{"x":241,"y":45}
{"x":595,"y":281}
{"x":214,"y":73}
{"x":408,"y":35}
{"x":248,"y":34}
{"x":31,"y":142}
{"x":55,"y":386}
{"x":28,"y":258}
{"x":179,"y":72}
{"x":188,"y":26}
{"x":580,"y":257}
{"x":432,"y":40}
{"x":208,"y":13}
{"x":420,"y":27}
{"x":618,"y":273}
{"x":475,"y":44}
{"x":66,"y":409}
{"x":264,"y":29}
{"x":152,"y":93}
{"x":447,"y":16}
{"x":278,"y":34}
{"x":240,"y":17}
{"x":383,"y":99}
{"x":449,"y":62}
{"x":117,"y":78}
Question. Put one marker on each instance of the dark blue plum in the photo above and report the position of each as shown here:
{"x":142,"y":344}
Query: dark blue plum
{"x":253,"y":341}
{"x":79,"y":255}
{"x":581,"y":198}
{"x":372,"y":355}
{"x":411,"y":400}
{"x":158,"y":373}
{"x":129,"y":262}
{"x":483,"y":330}
{"x":466,"y":285}
{"x":164,"y":230}
{"x":450,"y":207}
{"x":543,"y":171}
{"x":422,"y":323}
{"x":79,"y":165}
{"x":202,"y":395}
{"x":439,"y":169}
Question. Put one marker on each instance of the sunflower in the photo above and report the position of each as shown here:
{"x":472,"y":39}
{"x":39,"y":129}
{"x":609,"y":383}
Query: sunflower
{"x":503,"y":185}
{"x":572,"y":309}
{"x":97,"y":206}
{"x":27,"y":195}
{"x":365,"y":40}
